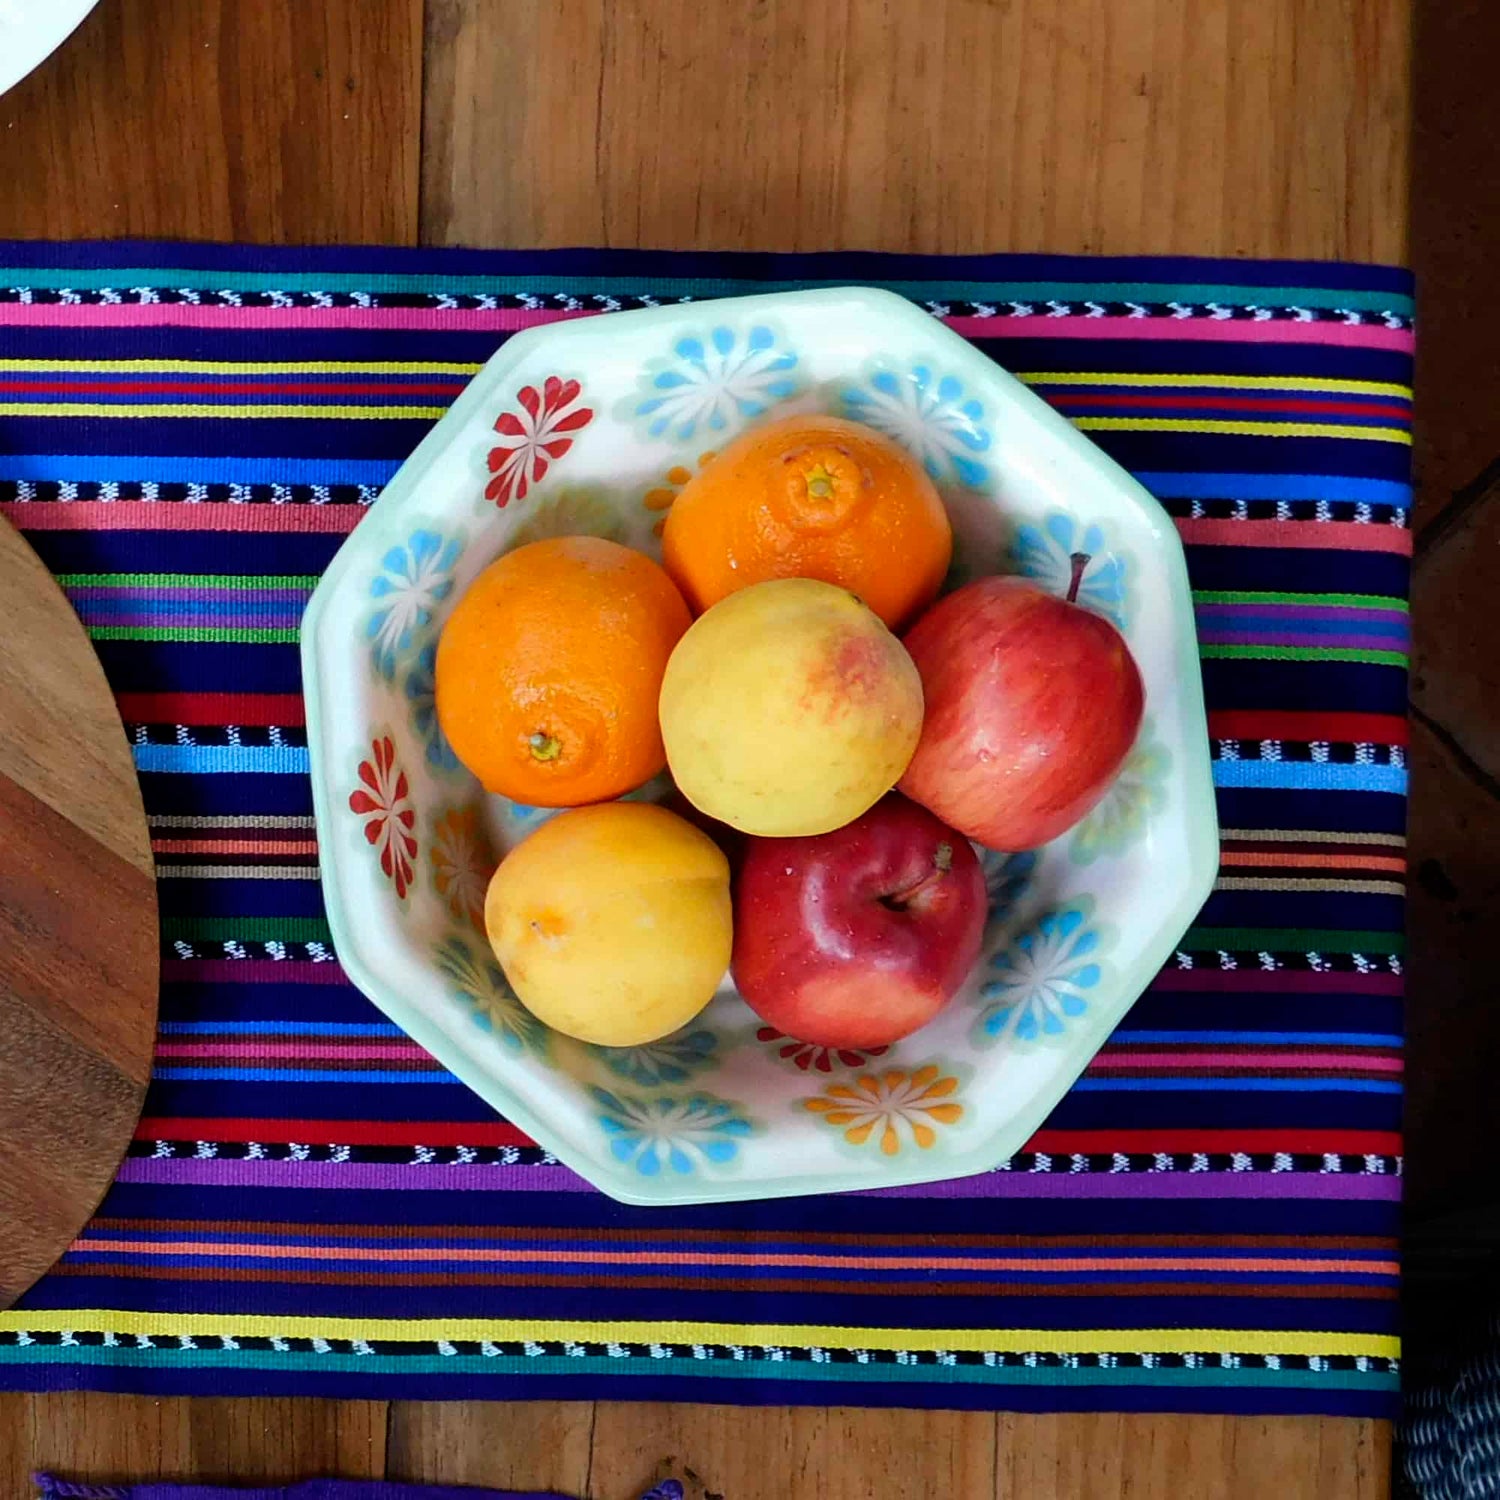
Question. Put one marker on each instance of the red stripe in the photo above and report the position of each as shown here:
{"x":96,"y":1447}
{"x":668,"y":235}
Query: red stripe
{"x":1312,"y":536}
{"x":282,"y":709}
{"x":1312,"y":724}
{"x":335,"y":1132}
{"x":271,"y":391}
{"x":498,"y":1133}
{"x":1398,"y":414}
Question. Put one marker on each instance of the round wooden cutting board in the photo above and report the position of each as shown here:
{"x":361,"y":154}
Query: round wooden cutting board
{"x":78,"y":931}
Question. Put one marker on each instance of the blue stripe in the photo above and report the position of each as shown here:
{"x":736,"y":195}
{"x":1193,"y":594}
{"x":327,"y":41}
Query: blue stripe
{"x":300,"y":1075}
{"x":1310,"y":775}
{"x":1312,"y":620}
{"x":1200,"y":486}
{"x":226,"y":760}
{"x":1266,"y":1038}
{"x":100,"y":468}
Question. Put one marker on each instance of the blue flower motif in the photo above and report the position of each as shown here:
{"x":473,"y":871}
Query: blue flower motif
{"x":714,"y":383}
{"x":1134,"y":797}
{"x":413,"y":580}
{"x":1047,"y":552}
{"x":486,"y":993}
{"x":928,"y":414}
{"x":661,"y":1132}
{"x":1006,"y":877}
{"x":1043,"y":980}
{"x":673,"y":1059}
{"x":421,"y":695}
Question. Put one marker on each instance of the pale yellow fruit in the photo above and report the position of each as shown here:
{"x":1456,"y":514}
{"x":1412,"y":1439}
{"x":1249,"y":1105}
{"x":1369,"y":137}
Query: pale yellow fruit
{"x":788,"y":709}
{"x":613,"y":922}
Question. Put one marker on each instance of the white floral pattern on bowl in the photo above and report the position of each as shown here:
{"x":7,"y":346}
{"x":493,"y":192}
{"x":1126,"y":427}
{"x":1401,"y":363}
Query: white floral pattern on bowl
{"x":727,"y":1108}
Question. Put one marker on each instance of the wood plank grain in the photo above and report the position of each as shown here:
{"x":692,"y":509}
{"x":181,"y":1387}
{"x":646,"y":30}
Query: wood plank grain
{"x":543,"y":1445}
{"x":89,"y":1436}
{"x":268,"y":120}
{"x":1243,"y":127}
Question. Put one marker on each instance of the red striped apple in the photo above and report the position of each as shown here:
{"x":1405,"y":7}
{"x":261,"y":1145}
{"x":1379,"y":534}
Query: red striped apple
{"x":1032,"y":703}
{"x":856,"y":938}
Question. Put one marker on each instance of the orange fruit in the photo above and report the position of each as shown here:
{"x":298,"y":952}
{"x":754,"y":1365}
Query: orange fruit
{"x":549,"y":668}
{"x":811,"y":497}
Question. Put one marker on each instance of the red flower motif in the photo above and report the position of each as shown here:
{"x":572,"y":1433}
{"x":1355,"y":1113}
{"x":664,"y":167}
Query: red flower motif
{"x":809,"y":1055}
{"x":541,"y":431}
{"x":385,"y":802}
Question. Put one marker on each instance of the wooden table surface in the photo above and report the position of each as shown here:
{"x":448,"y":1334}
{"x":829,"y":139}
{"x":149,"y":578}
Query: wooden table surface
{"x":1227,"y":127}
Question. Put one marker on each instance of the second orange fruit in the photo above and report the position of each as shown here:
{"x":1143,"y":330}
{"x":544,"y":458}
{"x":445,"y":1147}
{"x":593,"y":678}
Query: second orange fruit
{"x":549,"y":668}
{"x":811,"y":497}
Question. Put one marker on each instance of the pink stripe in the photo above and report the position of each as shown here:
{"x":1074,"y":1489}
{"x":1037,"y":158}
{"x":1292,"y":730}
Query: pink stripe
{"x":249,"y":971}
{"x":143,"y":515}
{"x":157,"y":315}
{"x":511,"y":319}
{"x":1341,"y":536}
{"x":1238,"y":1062}
{"x":1212,"y":330}
{"x":1274,"y":981}
{"x":361,"y":1052}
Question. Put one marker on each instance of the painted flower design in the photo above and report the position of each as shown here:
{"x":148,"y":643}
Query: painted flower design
{"x":928,"y":414}
{"x":1043,"y":980}
{"x":1006,"y":877}
{"x":714,"y":383}
{"x":461,"y":864}
{"x":1134,"y":797}
{"x":896,"y":1109}
{"x":809,"y":1056}
{"x":673,"y":1059}
{"x":383,"y":800}
{"x":421,"y":697}
{"x":571,"y":512}
{"x":534,"y":437}
{"x":480,"y":985}
{"x":413,"y":580}
{"x":1050,"y":551}
{"x":661,"y":497}
{"x":665,"y":1133}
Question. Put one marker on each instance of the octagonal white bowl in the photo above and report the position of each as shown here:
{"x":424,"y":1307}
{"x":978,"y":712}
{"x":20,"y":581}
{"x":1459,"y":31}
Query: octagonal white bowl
{"x":589,"y":427}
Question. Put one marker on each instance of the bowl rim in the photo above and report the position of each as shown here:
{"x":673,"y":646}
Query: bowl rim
{"x":1195,"y":778}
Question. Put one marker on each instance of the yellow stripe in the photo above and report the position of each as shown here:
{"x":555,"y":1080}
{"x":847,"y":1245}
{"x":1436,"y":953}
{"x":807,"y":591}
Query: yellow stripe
{"x":221,"y":367}
{"x":1242,"y":429}
{"x":1296,"y":883}
{"x":1228,"y":382}
{"x":172,"y":409}
{"x":786,"y":1335}
{"x":1312,"y":836}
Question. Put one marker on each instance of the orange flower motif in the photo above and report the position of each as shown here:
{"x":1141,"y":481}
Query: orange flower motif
{"x":461,"y":865}
{"x":664,"y":494}
{"x":894,"y":1107}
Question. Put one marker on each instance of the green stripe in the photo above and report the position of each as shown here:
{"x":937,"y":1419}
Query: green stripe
{"x":1305,"y":653}
{"x":255,"y":636}
{"x":722,"y":1369}
{"x":308,"y":581}
{"x":1289,"y":940}
{"x":967,"y":291}
{"x":247,"y":929}
{"x":1344,"y":601}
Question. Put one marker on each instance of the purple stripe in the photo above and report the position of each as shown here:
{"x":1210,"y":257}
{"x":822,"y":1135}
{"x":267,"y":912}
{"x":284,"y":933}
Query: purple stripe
{"x":288,"y":595}
{"x":1297,"y":612}
{"x":144,"y":616}
{"x":371,"y":1176}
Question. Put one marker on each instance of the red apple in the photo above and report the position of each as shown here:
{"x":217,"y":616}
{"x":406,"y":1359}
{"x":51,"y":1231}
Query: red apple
{"x":1032,"y":702}
{"x":856,"y":938}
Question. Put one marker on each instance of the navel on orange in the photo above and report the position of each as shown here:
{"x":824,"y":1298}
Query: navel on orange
{"x":549,"y":668}
{"x":811,"y":497}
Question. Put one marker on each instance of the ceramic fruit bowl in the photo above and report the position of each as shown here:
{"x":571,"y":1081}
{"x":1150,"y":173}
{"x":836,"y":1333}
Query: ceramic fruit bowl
{"x":589,"y":427}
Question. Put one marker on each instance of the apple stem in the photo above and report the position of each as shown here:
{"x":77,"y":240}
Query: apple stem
{"x":942,"y":862}
{"x":1080,"y":561}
